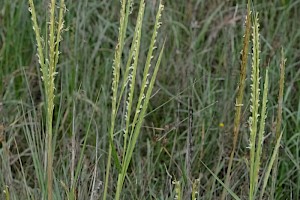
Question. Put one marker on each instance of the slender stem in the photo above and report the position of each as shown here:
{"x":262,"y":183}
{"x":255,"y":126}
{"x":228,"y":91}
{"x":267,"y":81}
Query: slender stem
{"x":115,"y":85}
{"x":278,"y":120}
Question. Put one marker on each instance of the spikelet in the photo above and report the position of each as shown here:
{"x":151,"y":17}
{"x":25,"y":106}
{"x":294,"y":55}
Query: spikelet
{"x":255,"y":78}
{"x":177,"y":190}
{"x":253,"y":119}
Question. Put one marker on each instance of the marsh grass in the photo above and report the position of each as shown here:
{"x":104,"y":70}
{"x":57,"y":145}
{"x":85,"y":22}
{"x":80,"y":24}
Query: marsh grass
{"x":256,"y":140}
{"x":48,"y":63}
{"x":132,"y":128}
{"x":132,"y":125}
{"x":278,"y":132}
{"x":254,"y":109}
{"x":144,"y":154}
{"x":240,"y":95}
{"x":257,"y":119}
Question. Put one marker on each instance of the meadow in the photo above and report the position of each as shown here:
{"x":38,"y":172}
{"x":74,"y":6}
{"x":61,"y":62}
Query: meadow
{"x":158,"y":100}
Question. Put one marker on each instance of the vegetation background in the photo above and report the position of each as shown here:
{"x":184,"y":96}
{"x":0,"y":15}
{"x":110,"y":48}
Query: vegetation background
{"x":199,"y":71}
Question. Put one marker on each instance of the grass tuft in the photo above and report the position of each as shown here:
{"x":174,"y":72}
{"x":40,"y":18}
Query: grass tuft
{"x":132,"y":125}
{"x":240,"y":95}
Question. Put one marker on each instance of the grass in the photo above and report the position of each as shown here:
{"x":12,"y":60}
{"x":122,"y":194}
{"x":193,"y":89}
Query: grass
{"x":48,"y":65}
{"x":240,"y":95}
{"x":104,"y":146}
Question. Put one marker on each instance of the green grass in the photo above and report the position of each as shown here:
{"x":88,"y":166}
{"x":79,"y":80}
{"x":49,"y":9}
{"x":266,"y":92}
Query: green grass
{"x":199,"y":72}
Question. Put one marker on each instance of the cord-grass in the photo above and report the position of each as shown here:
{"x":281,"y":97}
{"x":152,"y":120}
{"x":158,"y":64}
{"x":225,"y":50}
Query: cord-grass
{"x":48,"y":63}
{"x":200,"y":62}
{"x":132,"y":126}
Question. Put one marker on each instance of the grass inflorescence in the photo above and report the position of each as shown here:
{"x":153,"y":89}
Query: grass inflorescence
{"x":48,"y":63}
{"x":132,"y":124}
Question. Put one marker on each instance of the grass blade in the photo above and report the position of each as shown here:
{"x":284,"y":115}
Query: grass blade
{"x":221,"y":182}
